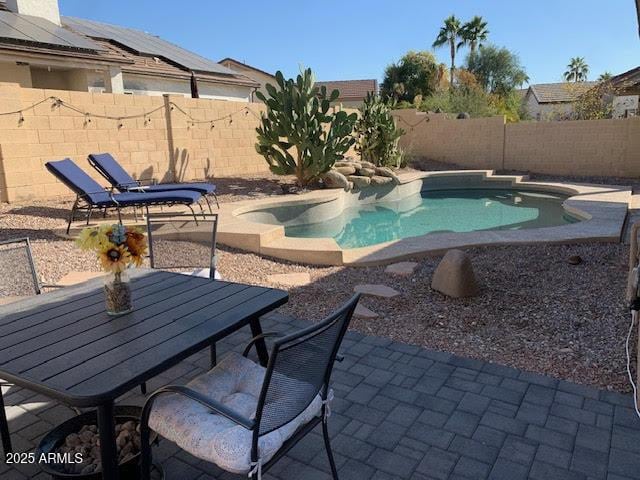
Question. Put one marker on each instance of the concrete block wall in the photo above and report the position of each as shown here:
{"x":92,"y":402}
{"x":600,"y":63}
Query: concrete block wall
{"x":141,"y":144}
{"x":589,"y":147}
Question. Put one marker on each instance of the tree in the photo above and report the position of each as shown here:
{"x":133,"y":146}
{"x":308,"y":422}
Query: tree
{"x":449,"y":34}
{"x":498,"y":70}
{"x":377,"y":133}
{"x":577,"y":70}
{"x":417,"y":73}
{"x":605,"y":77}
{"x":297,"y":135}
{"x":473,"y":33}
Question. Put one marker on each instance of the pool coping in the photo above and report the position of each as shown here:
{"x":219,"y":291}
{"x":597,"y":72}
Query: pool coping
{"x":603,"y":209}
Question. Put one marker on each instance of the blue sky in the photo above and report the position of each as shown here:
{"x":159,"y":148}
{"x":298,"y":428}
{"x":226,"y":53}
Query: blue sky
{"x":352,"y":39}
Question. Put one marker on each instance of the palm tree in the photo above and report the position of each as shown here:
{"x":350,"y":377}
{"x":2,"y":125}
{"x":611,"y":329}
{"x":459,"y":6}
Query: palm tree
{"x":577,"y":70}
{"x":605,"y":77}
{"x":473,"y":33}
{"x":449,"y":34}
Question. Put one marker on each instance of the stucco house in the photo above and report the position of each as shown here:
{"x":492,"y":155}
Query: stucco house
{"x":41,"y":49}
{"x":626,"y":103}
{"x":553,"y":101}
{"x":352,"y":92}
{"x":259,"y":76}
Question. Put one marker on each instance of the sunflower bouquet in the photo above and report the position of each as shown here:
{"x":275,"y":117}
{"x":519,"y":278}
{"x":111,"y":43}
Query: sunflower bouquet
{"x":118,"y":248}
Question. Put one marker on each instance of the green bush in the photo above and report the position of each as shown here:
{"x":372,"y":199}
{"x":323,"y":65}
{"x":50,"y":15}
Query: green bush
{"x":377,"y":134}
{"x":298,"y":135}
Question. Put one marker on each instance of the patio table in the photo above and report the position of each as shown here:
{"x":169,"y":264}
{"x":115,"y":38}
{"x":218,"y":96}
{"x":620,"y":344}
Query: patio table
{"x":64,"y":345}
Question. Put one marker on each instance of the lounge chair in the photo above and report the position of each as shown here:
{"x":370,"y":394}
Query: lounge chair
{"x":90,"y":195}
{"x":117,"y":176}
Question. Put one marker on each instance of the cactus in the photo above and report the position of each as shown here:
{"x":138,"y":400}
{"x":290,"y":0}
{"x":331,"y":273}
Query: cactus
{"x":377,"y":133}
{"x":298,"y":135}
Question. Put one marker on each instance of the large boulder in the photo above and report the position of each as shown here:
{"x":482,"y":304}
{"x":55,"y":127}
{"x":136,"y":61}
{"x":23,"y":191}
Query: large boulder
{"x":454,"y":276}
{"x":367,"y":172}
{"x":348,"y":163}
{"x":333,"y":179}
{"x":366,"y":164}
{"x":359,"y":181}
{"x":387,"y":172}
{"x":345,"y":170}
{"x":378,"y":180}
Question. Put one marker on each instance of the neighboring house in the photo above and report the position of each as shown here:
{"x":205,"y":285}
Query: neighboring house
{"x":553,"y":101}
{"x":257,"y":75}
{"x":41,"y":49}
{"x":627,"y":88}
{"x":352,"y":92}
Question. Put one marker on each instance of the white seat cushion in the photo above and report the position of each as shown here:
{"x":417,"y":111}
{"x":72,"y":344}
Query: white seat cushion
{"x":236,"y":383}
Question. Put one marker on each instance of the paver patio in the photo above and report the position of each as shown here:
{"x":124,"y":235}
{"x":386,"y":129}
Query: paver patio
{"x":405,"y":412}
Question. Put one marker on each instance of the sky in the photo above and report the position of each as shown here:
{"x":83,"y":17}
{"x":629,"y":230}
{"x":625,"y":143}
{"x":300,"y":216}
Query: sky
{"x":354,"y":39}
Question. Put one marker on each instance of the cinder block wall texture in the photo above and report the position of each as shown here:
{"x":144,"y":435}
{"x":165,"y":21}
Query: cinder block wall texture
{"x":161,"y":145}
{"x":591,"y":147}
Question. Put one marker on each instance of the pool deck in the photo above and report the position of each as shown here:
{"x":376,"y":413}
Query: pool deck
{"x":602,"y":208}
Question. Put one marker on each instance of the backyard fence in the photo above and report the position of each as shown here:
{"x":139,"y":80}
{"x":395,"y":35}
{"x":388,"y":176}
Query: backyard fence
{"x":587,"y":147}
{"x":162,"y":138}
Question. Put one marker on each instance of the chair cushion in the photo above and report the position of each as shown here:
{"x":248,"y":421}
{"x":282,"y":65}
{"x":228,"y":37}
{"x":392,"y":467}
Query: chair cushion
{"x":235,"y":382}
{"x":202,"y":188}
{"x":140,"y":198}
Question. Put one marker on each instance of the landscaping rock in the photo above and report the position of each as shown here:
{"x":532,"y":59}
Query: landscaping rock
{"x":359,"y":181}
{"x":401,"y":269}
{"x":376,"y":291}
{"x":575,"y":260}
{"x":454,"y":276}
{"x":333,"y":179}
{"x":297,"y":279}
{"x":363,"y":312}
{"x":348,"y":163}
{"x":365,"y":164}
{"x":367,"y":172}
{"x":387,"y":172}
{"x":378,"y":180}
{"x":350,"y":170}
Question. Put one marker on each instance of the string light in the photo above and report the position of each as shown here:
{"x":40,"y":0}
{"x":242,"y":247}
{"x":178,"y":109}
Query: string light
{"x":191,"y":121}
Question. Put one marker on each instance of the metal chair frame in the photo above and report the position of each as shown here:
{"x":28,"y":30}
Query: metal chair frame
{"x":344,"y":313}
{"x":36,"y":281}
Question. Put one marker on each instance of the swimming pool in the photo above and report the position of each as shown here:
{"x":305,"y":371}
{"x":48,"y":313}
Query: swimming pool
{"x":439,"y":211}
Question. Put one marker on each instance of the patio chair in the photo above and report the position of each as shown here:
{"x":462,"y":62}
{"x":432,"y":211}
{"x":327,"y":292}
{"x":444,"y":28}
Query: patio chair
{"x":19,"y":278}
{"x":90,"y":195}
{"x":243,"y":417}
{"x":120,"y":179}
{"x":185,"y":245}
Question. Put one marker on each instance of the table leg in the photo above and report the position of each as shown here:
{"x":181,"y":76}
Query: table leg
{"x":4,"y":428}
{"x":261,"y":345}
{"x":108,"y":451}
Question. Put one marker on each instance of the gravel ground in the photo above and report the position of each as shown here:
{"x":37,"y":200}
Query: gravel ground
{"x":535,"y":311}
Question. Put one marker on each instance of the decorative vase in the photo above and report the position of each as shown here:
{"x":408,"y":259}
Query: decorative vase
{"x":117,"y":293}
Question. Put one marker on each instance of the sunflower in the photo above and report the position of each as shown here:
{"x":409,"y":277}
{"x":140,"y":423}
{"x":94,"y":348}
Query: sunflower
{"x":136,"y":244}
{"x":92,"y":239}
{"x":115,"y":258}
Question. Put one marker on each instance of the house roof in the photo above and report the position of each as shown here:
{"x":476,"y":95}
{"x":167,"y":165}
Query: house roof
{"x":630,"y":78}
{"x":245,"y":65}
{"x":351,"y":89}
{"x":563,"y":92}
{"x":157,"y":66}
{"x":135,"y":51}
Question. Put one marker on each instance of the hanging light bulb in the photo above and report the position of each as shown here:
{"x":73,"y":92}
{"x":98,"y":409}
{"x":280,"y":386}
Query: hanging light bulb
{"x":212,"y":126}
{"x":21,"y":119}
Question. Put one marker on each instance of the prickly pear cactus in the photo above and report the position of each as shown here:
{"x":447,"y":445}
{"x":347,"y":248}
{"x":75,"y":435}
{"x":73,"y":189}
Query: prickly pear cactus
{"x":299,"y":134}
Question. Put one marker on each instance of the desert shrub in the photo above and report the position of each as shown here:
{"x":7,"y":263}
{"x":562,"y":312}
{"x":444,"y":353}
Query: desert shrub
{"x":376,"y":132}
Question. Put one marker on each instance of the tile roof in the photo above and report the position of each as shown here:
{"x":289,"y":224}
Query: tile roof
{"x":560,"y":92}
{"x":351,"y":89}
{"x":233,"y":61}
{"x":627,"y":79}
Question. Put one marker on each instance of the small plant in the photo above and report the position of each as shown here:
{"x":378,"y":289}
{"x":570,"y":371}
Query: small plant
{"x":298,"y":136}
{"x":377,"y":133}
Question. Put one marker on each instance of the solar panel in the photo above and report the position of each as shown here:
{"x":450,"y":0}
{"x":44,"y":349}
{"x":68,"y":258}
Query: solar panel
{"x":145,"y":44}
{"x":26,"y":28}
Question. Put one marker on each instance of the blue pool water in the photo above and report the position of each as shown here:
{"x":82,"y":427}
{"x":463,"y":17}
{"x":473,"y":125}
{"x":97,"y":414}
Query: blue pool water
{"x":438,"y":212}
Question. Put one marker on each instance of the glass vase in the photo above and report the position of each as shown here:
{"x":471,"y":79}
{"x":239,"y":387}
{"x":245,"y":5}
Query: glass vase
{"x":117,"y":293}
